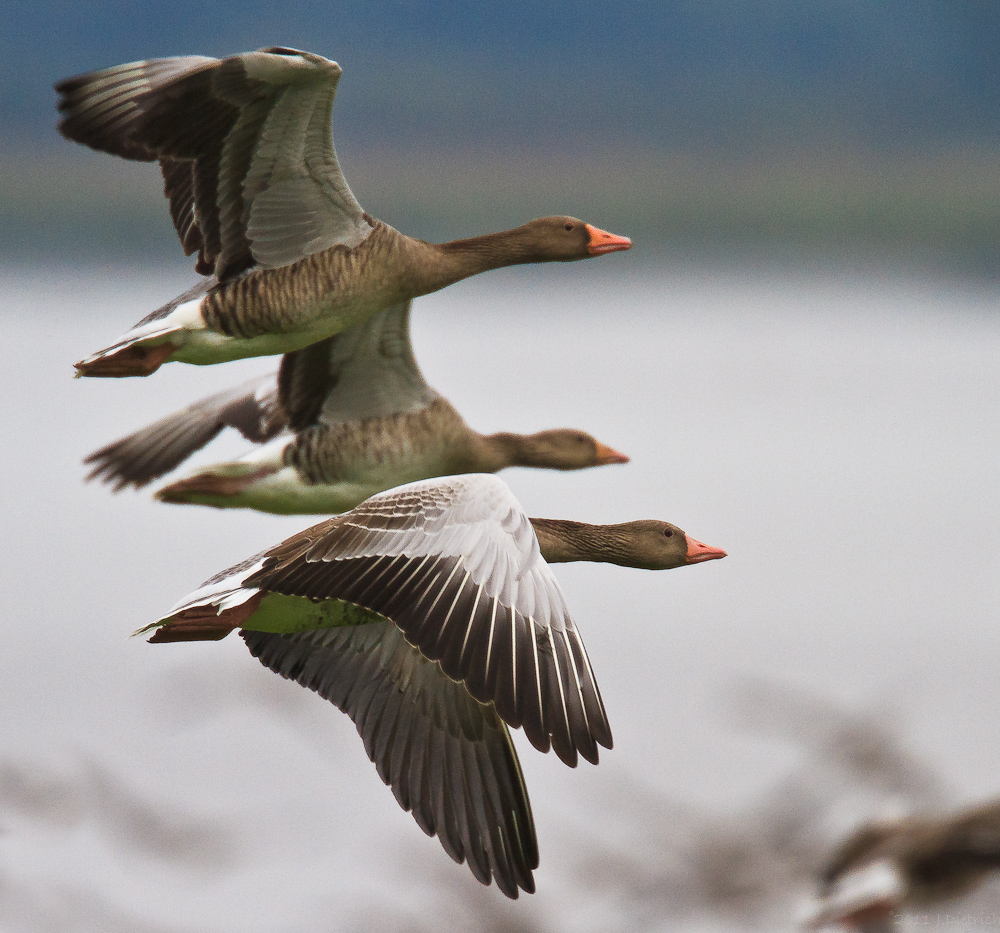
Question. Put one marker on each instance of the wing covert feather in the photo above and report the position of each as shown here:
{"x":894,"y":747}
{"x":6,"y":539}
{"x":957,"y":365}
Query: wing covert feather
{"x":366,"y":371}
{"x":455,"y":564}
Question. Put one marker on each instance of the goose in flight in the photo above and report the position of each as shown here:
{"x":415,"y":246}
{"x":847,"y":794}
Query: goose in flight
{"x":430,"y":616}
{"x":884,"y":869}
{"x":255,"y":189}
{"x":361,"y":418}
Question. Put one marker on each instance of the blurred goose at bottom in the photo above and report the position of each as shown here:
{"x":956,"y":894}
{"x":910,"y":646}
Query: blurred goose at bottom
{"x":885,"y":868}
{"x":429,"y":615}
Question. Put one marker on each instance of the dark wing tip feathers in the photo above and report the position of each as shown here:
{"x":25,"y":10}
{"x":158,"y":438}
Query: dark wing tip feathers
{"x":151,"y":452}
{"x":148,"y":454}
{"x":159,"y":110}
{"x":68,"y":86}
{"x":183,"y":110}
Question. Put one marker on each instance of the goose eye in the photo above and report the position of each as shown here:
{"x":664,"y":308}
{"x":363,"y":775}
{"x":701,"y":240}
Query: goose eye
{"x":668,"y":533}
{"x":568,"y":227}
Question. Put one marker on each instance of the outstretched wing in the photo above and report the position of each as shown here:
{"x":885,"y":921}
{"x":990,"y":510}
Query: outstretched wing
{"x":147,"y":454}
{"x":245,"y":148}
{"x":367,"y":371}
{"x":448,"y":759}
{"x":454,"y":562}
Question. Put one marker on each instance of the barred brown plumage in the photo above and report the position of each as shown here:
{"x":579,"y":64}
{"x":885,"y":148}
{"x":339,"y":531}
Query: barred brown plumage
{"x":362,"y":418}
{"x":328,"y":453}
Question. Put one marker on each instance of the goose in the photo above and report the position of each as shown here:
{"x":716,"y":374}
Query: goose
{"x":886,"y":868}
{"x":430,"y":616}
{"x":362,"y":420}
{"x":255,"y":189}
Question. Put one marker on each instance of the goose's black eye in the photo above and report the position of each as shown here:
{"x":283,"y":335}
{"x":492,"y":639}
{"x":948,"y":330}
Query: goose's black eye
{"x":568,"y":227}
{"x":668,"y":533}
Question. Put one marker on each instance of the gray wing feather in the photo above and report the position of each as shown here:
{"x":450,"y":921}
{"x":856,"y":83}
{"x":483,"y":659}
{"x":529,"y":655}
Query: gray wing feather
{"x":455,"y":564}
{"x":366,"y":371}
{"x":245,"y":148}
{"x":449,"y":759}
{"x":149,"y":453}
{"x":299,"y":202}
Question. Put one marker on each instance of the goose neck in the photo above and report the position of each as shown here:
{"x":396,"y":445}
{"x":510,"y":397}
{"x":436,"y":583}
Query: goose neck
{"x":438,"y":265}
{"x":505,"y":449}
{"x":561,"y":541}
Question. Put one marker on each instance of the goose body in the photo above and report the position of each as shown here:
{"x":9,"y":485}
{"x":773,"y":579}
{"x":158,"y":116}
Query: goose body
{"x":344,"y":419}
{"x":885,"y":869}
{"x":327,"y":469}
{"x":430,"y":615}
{"x":255,"y":189}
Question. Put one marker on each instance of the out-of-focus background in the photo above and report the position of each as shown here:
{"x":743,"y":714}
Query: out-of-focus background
{"x":800,"y":354}
{"x":762,"y":127}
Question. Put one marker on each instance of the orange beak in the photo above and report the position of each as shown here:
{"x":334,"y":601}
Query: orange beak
{"x":603,"y":242}
{"x":697,"y":552}
{"x":607,"y":454}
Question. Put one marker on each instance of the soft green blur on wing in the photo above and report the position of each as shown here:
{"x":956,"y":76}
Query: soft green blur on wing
{"x":288,"y":614}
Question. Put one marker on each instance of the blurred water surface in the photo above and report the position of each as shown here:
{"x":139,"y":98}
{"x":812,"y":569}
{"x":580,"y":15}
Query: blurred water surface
{"x":836,"y":433}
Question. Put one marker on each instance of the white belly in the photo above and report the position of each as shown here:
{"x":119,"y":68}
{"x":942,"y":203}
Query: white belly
{"x":204,"y":347}
{"x":284,"y":493}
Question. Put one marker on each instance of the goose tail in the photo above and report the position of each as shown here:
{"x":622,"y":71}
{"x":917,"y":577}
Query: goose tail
{"x":214,"y":486}
{"x":138,"y":356}
{"x":153,"y":341}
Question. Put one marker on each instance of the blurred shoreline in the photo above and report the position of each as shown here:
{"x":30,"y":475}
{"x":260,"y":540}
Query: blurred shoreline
{"x":933,"y":208}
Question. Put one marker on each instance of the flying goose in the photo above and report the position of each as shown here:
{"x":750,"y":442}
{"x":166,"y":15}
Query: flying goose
{"x":430,"y":616}
{"x":886,"y":868}
{"x":362,"y":420}
{"x":255,"y":189}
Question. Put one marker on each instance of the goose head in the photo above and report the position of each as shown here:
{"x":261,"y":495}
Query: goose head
{"x":649,"y":544}
{"x":565,"y":239}
{"x":565,"y":449}
{"x":646,"y":544}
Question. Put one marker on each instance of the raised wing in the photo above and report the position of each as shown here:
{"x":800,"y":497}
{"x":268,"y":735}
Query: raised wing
{"x":448,"y":758}
{"x":367,"y":371}
{"x":252,"y":408}
{"x":455,"y":564}
{"x":245,"y":148}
